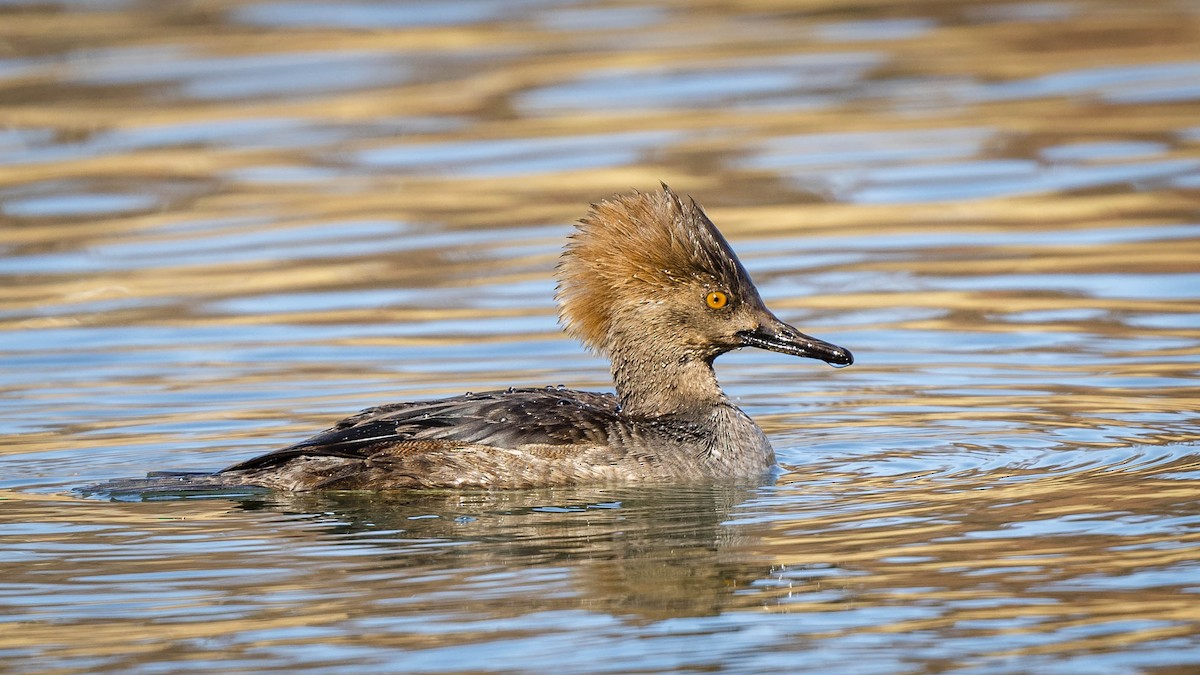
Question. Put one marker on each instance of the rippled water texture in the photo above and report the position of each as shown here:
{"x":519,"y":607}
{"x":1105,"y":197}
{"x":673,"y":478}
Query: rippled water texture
{"x":224,"y":225}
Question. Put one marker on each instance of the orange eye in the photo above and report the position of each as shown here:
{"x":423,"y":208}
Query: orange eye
{"x":716,"y":299}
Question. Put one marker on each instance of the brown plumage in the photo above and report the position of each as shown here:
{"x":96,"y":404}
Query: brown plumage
{"x":647,"y":281}
{"x":614,"y":259}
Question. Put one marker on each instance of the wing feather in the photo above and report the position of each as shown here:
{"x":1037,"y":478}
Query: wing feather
{"x":500,"y":419}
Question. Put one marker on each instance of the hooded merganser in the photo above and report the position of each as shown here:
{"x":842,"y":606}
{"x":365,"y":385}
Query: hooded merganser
{"x":646,"y":281}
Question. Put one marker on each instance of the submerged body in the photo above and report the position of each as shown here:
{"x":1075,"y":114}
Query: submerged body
{"x":647,"y":281}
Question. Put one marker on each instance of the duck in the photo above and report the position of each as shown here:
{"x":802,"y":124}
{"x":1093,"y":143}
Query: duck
{"x":646,"y":281}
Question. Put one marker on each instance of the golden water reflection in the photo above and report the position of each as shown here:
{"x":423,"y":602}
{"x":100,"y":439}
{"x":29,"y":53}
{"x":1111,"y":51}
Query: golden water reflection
{"x":225,"y":224}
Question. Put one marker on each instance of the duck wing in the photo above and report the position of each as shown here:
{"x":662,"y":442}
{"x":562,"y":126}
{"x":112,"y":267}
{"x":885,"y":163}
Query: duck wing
{"x":500,"y":419}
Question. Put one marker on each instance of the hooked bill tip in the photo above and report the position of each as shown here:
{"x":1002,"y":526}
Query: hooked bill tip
{"x":841,"y":359}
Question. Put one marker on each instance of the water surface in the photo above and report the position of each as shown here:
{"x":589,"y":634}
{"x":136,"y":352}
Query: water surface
{"x":223,"y":226}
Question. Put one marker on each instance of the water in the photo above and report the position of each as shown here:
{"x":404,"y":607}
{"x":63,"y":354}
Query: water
{"x":224,"y":226}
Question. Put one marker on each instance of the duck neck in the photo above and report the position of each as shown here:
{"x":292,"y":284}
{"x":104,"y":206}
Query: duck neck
{"x":653,"y":381}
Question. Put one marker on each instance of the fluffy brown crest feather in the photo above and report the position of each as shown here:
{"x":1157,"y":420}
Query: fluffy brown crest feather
{"x":636,"y":248}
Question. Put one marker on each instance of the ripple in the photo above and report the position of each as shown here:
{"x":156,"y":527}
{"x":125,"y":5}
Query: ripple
{"x":714,"y":85}
{"x":370,"y":15}
{"x":77,"y":205}
{"x":875,"y":30}
{"x":228,"y":77}
{"x":503,"y":157}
